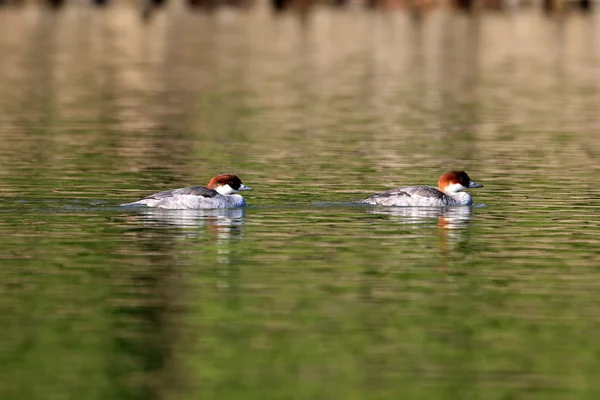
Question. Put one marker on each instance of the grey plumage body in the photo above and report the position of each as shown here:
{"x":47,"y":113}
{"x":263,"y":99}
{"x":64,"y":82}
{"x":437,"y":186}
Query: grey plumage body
{"x":195,"y":197}
{"x":192,"y":191}
{"x":423,"y":196}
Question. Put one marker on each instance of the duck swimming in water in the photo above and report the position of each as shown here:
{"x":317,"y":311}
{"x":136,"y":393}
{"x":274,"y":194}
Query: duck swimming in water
{"x":221,"y":192}
{"x":450,"y":192}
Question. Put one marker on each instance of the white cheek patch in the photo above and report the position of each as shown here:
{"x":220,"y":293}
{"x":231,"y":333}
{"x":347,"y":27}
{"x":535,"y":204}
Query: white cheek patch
{"x":225,"y":190}
{"x":454,"y":188}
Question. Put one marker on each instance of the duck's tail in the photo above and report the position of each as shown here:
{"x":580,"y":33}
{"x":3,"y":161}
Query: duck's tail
{"x":134,"y":204}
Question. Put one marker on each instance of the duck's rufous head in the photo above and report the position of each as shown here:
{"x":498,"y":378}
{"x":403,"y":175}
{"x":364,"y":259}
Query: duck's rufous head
{"x":227,"y":184}
{"x":456,"y":181}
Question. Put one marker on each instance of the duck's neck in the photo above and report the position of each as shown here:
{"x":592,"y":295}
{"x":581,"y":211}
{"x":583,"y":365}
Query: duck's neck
{"x":462,"y":198}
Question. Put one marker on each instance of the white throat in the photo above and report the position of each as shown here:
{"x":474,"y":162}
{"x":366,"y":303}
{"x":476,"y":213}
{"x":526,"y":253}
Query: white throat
{"x":225,"y":190}
{"x":451,"y":190}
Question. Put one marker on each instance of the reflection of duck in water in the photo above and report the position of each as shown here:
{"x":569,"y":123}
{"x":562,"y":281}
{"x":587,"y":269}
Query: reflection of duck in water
{"x":452,"y":222}
{"x":450,"y":192}
{"x":222,"y":223}
{"x":448,"y":217}
{"x":221,"y":192}
{"x":195,"y":218}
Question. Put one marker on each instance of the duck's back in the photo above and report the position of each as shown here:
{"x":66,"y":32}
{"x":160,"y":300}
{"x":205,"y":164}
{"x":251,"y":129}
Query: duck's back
{"x":195,"y":197}
{"x":423,"y":196}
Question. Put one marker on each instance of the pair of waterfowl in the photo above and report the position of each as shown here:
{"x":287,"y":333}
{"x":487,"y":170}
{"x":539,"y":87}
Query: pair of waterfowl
{"x":221,"y":192}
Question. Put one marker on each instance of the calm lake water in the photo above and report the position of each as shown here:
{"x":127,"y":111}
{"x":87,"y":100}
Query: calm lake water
{"x":302,"y":295}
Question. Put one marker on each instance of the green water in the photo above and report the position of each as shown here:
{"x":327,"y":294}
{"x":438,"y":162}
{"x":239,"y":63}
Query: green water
{"x":302,"y":295}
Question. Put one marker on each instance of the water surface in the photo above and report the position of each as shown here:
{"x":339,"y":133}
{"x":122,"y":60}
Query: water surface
{"x":303,"y":294}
